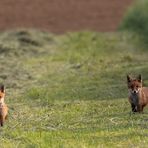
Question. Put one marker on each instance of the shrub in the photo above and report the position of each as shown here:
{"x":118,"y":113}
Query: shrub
{"x":136,"y":20}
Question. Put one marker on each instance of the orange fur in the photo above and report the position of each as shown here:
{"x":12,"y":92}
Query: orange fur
{"x":3,"y":106}
{"x":138,"y":95}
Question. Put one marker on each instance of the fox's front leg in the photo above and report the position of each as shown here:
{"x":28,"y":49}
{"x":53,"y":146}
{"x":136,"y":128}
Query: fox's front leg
{"x":134,"y":108}
{"x":1,"y":120}
{"x":6,"y":117}
{"x":140,"y":108}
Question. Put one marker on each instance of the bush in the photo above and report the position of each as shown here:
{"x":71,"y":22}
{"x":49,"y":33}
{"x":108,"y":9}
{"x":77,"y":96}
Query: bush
{"x":136,"y":20}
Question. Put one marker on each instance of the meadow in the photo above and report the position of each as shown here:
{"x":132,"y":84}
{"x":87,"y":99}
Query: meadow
{"x":70,"y":90}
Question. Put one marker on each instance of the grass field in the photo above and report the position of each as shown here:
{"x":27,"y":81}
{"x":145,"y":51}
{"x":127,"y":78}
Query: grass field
{"x":69,"y":91}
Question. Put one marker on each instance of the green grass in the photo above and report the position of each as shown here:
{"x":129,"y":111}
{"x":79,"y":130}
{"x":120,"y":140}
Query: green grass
{"x":70,"y":90}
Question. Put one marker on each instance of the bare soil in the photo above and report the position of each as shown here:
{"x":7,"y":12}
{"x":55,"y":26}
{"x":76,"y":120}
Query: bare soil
{"x":60,"y":16}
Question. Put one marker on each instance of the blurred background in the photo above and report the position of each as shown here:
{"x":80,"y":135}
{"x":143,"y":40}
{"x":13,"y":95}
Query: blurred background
{"x":60,"y":16}
{"x":64,"y":64}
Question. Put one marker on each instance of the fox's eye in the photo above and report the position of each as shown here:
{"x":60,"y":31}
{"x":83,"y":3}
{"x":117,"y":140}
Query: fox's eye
{"x":137,"y":86}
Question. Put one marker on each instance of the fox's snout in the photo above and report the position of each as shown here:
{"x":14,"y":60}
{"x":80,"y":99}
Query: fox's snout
{"x":134,"y":90}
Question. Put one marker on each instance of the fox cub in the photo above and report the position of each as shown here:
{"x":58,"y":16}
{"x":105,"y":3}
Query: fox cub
{"x":3,"y":106}
{"x":138,"y":95}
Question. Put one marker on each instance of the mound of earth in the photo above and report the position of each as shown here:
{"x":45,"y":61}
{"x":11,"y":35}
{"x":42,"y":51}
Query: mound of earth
{"x":60,"y":16}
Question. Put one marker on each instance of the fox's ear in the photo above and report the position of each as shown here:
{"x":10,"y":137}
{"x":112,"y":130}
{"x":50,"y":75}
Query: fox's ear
{"x":139,"y":78}
{"x":128,"y":78}
{"x":2,"y":88}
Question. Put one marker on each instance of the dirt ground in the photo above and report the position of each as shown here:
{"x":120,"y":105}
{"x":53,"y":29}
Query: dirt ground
{"x":60,"y":16}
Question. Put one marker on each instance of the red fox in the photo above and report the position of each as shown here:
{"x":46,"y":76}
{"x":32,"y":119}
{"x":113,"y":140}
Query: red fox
{"x":3,"y":106}
{"x":138,"y":95}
